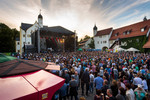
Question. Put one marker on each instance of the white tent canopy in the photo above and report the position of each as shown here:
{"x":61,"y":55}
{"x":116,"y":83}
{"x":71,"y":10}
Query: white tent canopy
{"x":121,"y":49}
{"x":132,"y":49}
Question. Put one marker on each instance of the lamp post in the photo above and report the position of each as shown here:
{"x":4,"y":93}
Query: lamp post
{"x":75,"y":41}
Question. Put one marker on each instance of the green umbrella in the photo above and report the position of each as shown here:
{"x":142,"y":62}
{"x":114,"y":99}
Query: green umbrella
{"x":80,"y":49}
{"x":4,"y":58}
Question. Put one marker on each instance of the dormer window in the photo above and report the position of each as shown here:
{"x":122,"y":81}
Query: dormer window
{"x":128,"y":32}
{"x":124,"y":33}
{"x":143,"y":29}
{"x":116,"y":34}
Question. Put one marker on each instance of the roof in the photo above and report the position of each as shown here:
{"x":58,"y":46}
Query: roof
{"x":19,"y":66}
{"x":57,"y":29}
{"x":25,"y":26}
{"x":4,"y":58}
{"x":133,"y":29}
{"x":104,"y":32}
{"x":95,"y":28}
{"x":40,"y":16}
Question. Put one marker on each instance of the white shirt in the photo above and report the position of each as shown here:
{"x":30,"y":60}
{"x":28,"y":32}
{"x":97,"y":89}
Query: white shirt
{"x":130,"y":95}
{"x":137,"y":81}
{"x":144,"y":83}
{"x":91,"y":76}
{"x":122,"y":85}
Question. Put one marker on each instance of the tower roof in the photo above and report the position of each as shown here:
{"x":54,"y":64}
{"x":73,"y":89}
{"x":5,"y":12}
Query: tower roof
{"x":95,"y":28}
{"x":40,"y":16}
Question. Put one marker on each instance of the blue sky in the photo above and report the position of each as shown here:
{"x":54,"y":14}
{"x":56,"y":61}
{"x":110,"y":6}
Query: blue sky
{"x":79,"y":15}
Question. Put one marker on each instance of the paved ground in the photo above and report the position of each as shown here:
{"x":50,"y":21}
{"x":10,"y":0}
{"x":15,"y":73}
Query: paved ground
{"x":89,"y":97}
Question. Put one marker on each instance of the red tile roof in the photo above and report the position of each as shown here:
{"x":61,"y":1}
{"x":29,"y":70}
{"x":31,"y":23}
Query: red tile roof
{"x":135,"y":30}
{"x":104,"y":32}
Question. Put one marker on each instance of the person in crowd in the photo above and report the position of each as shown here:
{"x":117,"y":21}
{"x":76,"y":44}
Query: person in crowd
{"x":63,"y":92}
{"x":99,"y":95}
{"x":77,"y":78}
{"x":104,"y":88}
{"x":129,"y":92}
{"x":139,"y":93}
{"x":121,"y":94}
{"x":98,"y":81}
{"x":109,"y":95}
{"x":91,"y":82}
{"x":107,"y":76}
{"x":101,"y":72}
{"x":114,"y":88}
{"x":73,"y":88}
{"x":137,"y":80}
{"x":115,"y":73}
{"x":120,"y":83}
{"x":148,"y":79}
{"x":144,"y":84}
{"x":85,"y":79}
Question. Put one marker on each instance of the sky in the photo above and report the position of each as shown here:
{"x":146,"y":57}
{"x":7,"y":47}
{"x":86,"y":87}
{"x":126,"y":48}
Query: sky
{"x":79,"y":15}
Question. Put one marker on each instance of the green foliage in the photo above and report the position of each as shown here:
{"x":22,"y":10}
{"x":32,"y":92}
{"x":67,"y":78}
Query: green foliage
{"x":92,"y":45}
{"x":86,"y":37}
{"x":7,"y":38}
{"x":135,"y":42}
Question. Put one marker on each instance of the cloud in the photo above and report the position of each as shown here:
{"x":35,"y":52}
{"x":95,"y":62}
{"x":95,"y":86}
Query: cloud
{"x":79,"y":15}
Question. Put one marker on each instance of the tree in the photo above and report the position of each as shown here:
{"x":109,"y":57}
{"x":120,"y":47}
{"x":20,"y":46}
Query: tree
{"x":92,"y":45}
{"x":7,"y":38}
{"x":86,"y":37}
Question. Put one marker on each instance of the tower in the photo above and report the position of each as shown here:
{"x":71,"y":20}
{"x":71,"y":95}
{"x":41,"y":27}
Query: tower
{"x":40,"y":20}
{"x":94,"y":30}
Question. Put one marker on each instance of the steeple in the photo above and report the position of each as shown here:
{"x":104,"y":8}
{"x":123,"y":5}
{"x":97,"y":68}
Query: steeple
{"x":94,"y":30}
{"x":40,"y":19}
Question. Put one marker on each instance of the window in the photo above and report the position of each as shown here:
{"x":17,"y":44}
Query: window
{"x":24,"y":35}
{"x":104,"y":41}
{"x":100,"y":36}
{"x":137,"y":40}
{"x":124,"y":33}
{"x":142,"y":29}
{"x":101,"y":42}
{"x":97,"y":42}
{"x":104,"y":36}
{"x":116,"y":34}
{"x":18,"y":43}
{"x":28,"y":42}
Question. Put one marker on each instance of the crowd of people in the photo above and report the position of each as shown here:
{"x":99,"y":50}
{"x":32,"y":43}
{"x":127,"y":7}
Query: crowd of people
{"x":114,"y":76}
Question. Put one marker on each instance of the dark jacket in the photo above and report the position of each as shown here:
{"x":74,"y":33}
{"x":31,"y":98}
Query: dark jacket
{"x":85,"y":77}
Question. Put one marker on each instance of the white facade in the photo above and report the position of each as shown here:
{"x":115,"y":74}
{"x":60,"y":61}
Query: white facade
{"x":101,"y":41}
{"x":25,"y":35}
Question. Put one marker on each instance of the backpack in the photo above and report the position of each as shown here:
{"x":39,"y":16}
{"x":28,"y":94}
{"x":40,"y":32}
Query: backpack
{"x":92,"y":78}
